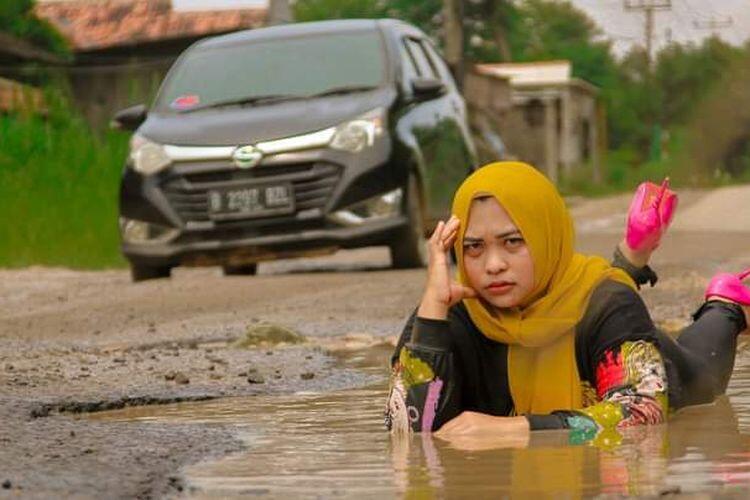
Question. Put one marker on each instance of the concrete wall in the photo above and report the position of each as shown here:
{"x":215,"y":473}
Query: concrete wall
{"x":553,"y":127}
{"x":488,"y":99}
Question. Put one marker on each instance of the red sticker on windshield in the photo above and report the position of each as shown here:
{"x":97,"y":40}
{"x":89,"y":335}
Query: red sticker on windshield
{"x":185,"y":101}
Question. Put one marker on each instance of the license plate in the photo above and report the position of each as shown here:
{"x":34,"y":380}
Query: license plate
{"x":251,"y":201}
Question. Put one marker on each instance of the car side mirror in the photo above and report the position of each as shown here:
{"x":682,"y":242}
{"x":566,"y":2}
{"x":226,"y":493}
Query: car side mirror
{"x":427,"y":88}
{"x":129,"y":118}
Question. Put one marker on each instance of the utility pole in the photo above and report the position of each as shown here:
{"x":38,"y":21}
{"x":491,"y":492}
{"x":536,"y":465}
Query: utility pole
{"x":453,"y":26}
{"x":648,"y":7}
{"x":714,"y":24}
{"x":278,"y":12}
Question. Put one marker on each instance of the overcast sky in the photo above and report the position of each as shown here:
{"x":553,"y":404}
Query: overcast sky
{"x":626,"y":27}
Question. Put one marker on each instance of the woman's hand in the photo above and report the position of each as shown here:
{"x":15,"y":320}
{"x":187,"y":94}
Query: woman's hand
{"x":441,"y":292}
{"x":471,"y":422}
{"x":650,"y":214}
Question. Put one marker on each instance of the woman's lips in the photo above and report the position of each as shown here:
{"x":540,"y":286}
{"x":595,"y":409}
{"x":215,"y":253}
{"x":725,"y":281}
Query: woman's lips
{"x":499,"y":287}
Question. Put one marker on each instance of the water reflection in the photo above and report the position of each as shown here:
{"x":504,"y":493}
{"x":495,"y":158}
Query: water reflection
{"x":333,"y":445}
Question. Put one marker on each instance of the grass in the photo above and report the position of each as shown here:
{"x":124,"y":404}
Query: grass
{"x":58,"y":190}
{"x":622,"y":170}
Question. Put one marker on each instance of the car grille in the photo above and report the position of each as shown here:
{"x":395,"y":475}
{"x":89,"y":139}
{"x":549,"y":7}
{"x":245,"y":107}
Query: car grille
{"x":313,"y":184}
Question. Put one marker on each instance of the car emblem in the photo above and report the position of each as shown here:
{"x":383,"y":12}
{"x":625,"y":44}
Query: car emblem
{"x":246,"y":156}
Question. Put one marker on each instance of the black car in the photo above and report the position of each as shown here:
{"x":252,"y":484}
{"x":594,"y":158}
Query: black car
{"x":293,"y":140}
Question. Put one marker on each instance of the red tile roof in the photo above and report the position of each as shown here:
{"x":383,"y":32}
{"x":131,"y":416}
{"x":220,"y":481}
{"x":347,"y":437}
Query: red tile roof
{"x":92,"y":25}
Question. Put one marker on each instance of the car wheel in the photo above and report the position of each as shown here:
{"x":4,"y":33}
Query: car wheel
{"x":143,"y":273}
{"x":408,"y":249}
{"x":244,"y":270}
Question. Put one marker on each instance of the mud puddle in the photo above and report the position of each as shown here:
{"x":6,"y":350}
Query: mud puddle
{"x":333,"y":445}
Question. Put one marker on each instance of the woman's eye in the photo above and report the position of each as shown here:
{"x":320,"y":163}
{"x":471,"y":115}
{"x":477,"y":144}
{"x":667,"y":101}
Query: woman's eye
{"x":472,"y":249}
{"x":514,"y":242}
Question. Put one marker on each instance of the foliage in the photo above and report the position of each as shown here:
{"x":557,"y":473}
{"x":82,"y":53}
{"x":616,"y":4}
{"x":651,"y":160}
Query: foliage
{"x":684,"y":74}
{"x":719,"y":126}
{"x":486,"y":21}
{"x":642,"y":99}
{"x":17,"y":18}
{"x":59,"y":181}
{"x":318,"y":10}
{"x":551,"y":30}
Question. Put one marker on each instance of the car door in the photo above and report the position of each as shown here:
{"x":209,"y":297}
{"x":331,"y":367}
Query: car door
{"x":437,"y":127}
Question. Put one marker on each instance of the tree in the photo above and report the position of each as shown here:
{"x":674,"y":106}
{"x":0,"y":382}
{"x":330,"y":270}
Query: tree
{"x":685,"y":73}
{"x":17,"y":18}
{"x":548,"y":30}
{"x":486,"y":22}
{"x":318,"y":10}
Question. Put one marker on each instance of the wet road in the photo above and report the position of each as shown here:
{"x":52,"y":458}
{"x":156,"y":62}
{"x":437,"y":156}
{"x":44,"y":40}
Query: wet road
{"x":331,"y":445}
{"x":78,"y":341}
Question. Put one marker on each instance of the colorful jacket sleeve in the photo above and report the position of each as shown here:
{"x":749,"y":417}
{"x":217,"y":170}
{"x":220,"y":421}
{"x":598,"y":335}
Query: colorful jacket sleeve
{"x":621,"y":364}
{"x":425,"y":390}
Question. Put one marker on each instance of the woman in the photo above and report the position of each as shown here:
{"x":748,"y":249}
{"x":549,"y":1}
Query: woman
{"x":534,"y":336}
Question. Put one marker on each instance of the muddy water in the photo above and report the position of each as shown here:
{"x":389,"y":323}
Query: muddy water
{"x":334,"y":445}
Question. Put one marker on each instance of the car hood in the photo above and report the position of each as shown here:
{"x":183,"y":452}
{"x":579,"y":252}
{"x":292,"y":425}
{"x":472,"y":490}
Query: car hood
{"x":234,"y":125}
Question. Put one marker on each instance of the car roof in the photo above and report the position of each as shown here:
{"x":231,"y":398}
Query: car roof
{"x":309,"y":28}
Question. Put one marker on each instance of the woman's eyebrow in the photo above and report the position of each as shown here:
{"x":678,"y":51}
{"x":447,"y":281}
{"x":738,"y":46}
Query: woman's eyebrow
{"x":472,"y":239}
{"x":508,"y":233}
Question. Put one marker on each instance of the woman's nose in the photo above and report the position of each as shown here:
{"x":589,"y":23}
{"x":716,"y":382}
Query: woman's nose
{"x":496,"y":262}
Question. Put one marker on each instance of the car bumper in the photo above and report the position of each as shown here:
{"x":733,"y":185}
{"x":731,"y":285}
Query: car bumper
{"x":324,"y":182}
{"x":267,"y":247}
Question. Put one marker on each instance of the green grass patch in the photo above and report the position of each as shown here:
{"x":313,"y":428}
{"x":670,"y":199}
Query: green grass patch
{"x":59,"y":186}
{"x":623,"y":169}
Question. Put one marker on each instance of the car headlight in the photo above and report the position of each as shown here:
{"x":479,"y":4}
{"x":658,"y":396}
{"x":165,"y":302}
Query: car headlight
{"x":360,"y":133}
{"x":148,"y":157}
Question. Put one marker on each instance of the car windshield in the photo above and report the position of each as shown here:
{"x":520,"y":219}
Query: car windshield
{"x":269,"y":71}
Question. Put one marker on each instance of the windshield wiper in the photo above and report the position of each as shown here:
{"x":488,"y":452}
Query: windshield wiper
{"x":344,"y":89}
{"x":270,"y":98}
{"x":245,"y":101}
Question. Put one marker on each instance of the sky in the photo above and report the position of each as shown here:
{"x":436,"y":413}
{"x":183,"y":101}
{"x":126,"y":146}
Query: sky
{"x":626,"y":28}
{"x":622,"y":27}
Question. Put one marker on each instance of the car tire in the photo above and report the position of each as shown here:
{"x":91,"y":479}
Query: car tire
{"x":243,"y":270}
{"x":143,"y":273}
{"x":408,"y":250}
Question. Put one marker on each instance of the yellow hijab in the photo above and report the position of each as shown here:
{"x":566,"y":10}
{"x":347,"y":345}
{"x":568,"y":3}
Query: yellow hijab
{"x":542,"y":368}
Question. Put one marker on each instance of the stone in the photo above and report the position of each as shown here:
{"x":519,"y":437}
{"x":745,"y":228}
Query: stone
{"x":264,"y":334}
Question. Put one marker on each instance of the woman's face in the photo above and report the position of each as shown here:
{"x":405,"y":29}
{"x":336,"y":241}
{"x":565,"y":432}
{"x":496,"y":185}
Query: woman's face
{"x":497,"y":261}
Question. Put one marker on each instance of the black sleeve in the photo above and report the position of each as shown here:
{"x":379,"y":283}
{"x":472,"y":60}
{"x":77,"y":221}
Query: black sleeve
{"x":641,"y":275}
{"x":616,"y":314}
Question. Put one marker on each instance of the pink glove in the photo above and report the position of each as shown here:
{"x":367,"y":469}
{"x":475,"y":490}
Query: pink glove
{"x":649,"y":216}
{"x":730,"y":287}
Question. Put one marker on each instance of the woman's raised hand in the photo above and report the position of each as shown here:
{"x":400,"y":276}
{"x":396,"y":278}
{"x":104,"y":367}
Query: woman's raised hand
{"x":441,"y":292}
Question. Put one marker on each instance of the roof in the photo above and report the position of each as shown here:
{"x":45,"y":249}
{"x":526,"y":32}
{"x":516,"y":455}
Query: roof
{"x":16,"y":49}
{"x":537,"y":74}
{"x":93,"y":25}
{"x":531,"y":73}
